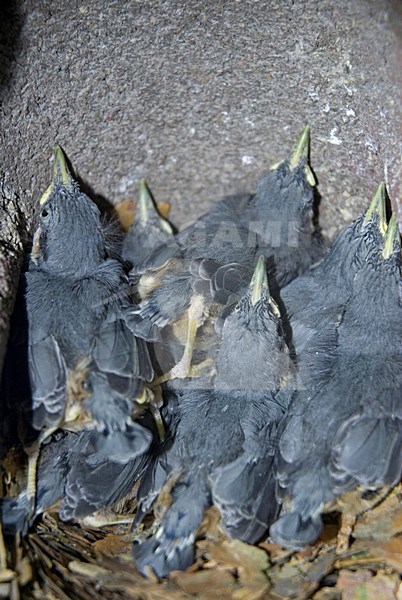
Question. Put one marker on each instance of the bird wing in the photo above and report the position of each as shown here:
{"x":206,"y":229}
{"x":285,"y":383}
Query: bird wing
{"x":172,"y":547}
{"x":120,"y":355}
{"x":368,"y":448}
{"x":95,"y":481}
{"x":159,"y":257}
{"x":244,"y":490}
{"x":218,"y":282}
{"x":303,"y":482}
{"x":48,"y":376}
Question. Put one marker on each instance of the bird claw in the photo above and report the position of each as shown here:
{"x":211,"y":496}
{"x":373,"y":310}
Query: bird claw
{"x":158,"y":421}
{"x":201,"y":368}
{"x":343,"y":540}
{"x":183,"y":370}
{"x":104,"y":518}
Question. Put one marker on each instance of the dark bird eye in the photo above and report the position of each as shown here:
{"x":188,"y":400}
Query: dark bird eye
{"x":45,"y":213}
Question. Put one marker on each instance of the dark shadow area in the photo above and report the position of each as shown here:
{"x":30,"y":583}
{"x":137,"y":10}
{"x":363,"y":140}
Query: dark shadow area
{"x":11,"y":22}
{"x":15,"y":389}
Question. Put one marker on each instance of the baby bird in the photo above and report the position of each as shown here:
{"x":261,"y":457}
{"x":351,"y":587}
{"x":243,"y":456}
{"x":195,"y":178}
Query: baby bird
{"x":346,"y":432}
{"x":223,"y":439}
{"x":84,"y":357}
{"x":148,"y":231}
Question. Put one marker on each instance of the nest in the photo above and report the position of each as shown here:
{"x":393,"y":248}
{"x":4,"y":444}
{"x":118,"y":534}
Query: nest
{"x":63,"y":561}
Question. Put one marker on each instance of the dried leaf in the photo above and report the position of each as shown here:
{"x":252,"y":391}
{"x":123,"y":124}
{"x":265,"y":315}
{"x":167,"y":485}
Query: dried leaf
{"x":250,"y":563}
{"x":327,"y":593}
{"x":363,"y":585}
{"x":112,"y":545}
{"x":382,"y":522}
{"x":301,"y":576}
{"x":211,"y":525}
{"x":163,"y":209}
{"x":206,"y":583}
{"x":277,"y":554}
{"x":379,"y":554}
{"x":125,"y":211}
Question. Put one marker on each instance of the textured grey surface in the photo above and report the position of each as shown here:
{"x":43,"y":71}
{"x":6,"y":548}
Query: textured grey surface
{"x":201,"y":97}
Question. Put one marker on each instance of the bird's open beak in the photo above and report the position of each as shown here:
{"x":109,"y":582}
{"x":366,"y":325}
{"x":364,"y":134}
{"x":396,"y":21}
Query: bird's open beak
{"x":259,"y":281}
{"x":259,"y":285}
{"x":377,"y":209}
{"x":147,"y":208}
{"x":392,"y":240}
{"x":301,"y":151}
{"x":302,"y":148}
{"x":61,"y":174}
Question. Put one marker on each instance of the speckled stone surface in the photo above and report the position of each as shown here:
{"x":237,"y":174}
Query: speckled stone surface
{"x":201,"y":97}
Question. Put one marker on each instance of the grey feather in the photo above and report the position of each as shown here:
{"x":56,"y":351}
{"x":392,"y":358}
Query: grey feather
{"x":223,"y":440}
{"x":276,"y":222}
{"x":48,"y":375}
{"x":346,"y":429}
{"x":77,"y":300}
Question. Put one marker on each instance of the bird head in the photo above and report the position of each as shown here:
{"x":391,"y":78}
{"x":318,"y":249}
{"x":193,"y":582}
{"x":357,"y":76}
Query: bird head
{"x":69,"y":239}
{"x":285,"y":195}
{"x":383,"y":261}
{"x":148,"y":230}
{"x":357,"y":241}
{"x":147,"y":211}
{"x":375,"y":307}
{"x":252,"y":345}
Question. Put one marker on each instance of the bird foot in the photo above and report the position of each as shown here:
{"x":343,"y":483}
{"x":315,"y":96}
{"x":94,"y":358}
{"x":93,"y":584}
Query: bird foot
{"x":347,"y":524}
{"x":156,"y":413}
{"x":32,"y":472}
{"x":103,"y":518}
{"x":201,"y":368}
{"x":183,"y":370}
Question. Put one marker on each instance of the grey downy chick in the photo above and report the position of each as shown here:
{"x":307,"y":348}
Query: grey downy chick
{"x":347,"y":434}
{"x":224,"y":439}
{"x":80,"y":317}
{"x":148,"y":231}
{"x":316,"y":300}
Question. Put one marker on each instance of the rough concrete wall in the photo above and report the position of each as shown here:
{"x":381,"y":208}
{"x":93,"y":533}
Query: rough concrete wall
{"x":201,"y":97}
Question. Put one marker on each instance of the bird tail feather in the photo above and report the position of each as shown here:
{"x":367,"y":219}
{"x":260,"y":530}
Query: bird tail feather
{"x":172,"y":547}
{"x":294,"y":531}
{"x":369,"y":449}
{"x":244,"y":492}
{"x":14,"y":514}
